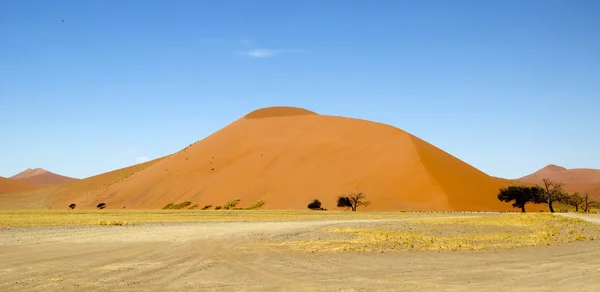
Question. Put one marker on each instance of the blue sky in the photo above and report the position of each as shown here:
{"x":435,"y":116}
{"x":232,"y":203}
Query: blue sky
{"x":506,"y":86}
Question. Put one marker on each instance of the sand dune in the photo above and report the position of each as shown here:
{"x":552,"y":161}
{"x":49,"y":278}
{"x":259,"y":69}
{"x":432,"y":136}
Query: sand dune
{"x":563,"y":175}
{"x":79,"y":191}
{"x":39,"y":176}
{"x":288,"y":156}
{"x":583,"y":180}
{"x":9,"y":185}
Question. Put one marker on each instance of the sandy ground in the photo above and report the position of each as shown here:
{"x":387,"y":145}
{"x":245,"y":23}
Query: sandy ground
{"x":229,"y":257}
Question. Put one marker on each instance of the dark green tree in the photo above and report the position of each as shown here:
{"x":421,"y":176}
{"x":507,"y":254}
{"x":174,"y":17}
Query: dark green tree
{"x":314,"y":205}
{"x":522,"y":195}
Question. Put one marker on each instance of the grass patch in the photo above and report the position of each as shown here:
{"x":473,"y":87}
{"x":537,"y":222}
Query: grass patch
{"x":487,"y":232}
{"x":171,"y":206}
{"x":256,"y":205}
{"x":231,"y":204}
{"x":15,"y":218}
{"x":113,"y":223}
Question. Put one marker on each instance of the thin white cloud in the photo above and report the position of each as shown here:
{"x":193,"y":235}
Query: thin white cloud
{"x":268,"y":53}
{"x":141,"y":159}
{"x":261,"y":53}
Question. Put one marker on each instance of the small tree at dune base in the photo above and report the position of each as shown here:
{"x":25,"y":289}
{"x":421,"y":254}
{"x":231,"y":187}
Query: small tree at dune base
{"x":352,"y":201}
{"x":72,"y":206}
{"x":314,"y":205}
{"x":101,"y":206}
{"x":522,"y":195}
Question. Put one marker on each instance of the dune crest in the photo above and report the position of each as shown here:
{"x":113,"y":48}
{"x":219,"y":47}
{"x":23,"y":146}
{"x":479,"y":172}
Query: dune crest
{"x":278,"y":111}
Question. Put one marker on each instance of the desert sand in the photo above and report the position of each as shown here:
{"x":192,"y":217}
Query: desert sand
{"x":287,"y":157}
{"x":582,"y":180}
{"x":237,"y":257}
{"x":9,"y":185}
{"x":39,"y":176}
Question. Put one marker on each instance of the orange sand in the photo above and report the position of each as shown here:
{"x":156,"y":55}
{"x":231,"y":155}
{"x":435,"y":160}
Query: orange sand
{"x":9,"y":185}
{"x":286,"y":157}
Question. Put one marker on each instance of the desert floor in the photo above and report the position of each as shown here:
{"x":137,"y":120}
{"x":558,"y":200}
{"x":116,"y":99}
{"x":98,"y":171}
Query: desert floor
{"x":263,"y":256}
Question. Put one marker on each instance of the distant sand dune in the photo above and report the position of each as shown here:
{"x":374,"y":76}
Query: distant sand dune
{"x":39,"y":176}
{"x":583,"y":180}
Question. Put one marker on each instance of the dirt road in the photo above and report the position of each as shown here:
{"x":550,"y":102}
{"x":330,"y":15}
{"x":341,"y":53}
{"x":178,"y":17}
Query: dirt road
{"x":227,"y":257}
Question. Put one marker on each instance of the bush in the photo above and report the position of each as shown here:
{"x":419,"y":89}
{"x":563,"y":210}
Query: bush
{"x":72,"y":206}
{"x":218,"y":208}
{"x":256,"y":205}
{"x":206,"y":207}
{"x":314,"y":205}
{"x":177,"y":206}
{"x":193,"y":207}
{"x":182,"y":205}
{"x":231,"y":204}
{"x":101,"y":206}
{"x":113,"y":223}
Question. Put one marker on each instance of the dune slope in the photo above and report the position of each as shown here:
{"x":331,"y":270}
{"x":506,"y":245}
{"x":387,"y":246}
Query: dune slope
{"x":287,"y":157}
{"x":81,"y":192}
{"x":9,"y":185}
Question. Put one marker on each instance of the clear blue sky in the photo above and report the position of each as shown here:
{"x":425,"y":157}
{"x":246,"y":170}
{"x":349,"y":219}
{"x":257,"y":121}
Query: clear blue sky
{"x":507,"y":86}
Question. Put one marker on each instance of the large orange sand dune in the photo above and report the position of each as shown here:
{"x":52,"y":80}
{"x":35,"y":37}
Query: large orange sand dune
{"x":288,"y":156}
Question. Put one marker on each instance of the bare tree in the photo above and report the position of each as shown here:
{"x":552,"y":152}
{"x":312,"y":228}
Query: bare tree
{"x":353,"y":201}
{"x":575,"y":200}
{"x":588,"y":203}
{"x":552,"y":192}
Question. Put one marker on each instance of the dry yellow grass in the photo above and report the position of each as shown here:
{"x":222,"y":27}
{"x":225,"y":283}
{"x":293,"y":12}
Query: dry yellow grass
{"x":487,"y":232}
{"x":128,"y":217}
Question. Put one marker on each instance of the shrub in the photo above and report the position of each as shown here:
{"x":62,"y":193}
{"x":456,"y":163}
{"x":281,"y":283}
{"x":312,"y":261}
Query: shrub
{"x":113,"y":223}
{"x":182,"y":205}
{"x":231,"y":204}
{"x":72,"y":206}
{"x":193,"y":207}
{"x":177,"y":206}
{"x":101,"y":206}
{"x":314,"y":205}
{"x":206,"y":207}
{"x":256,"y":205}
{"x":218,"y":208}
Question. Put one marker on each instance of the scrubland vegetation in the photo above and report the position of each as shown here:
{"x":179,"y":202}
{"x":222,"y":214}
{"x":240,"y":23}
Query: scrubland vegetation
{"x":475,"y":233}
{"x":96,"y":217}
